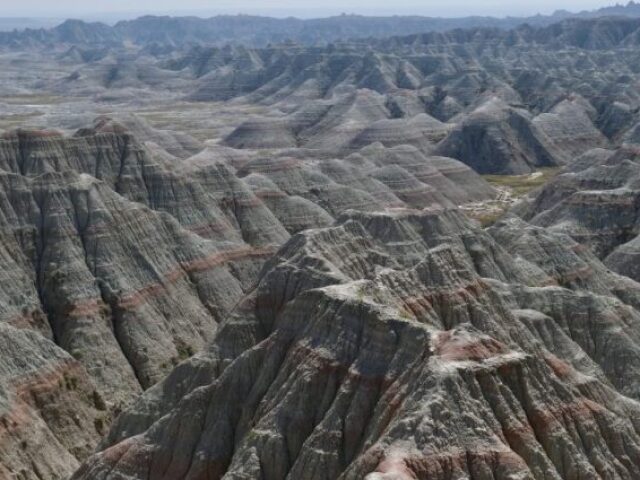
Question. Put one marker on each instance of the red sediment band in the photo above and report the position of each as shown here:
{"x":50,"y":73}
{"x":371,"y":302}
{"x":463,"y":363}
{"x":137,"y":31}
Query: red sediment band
{"x":435,"y":465}
{"x":551,"y":418}
{"x":102,"y":228}
{"x":249,"y":202}
{"x":580,"y":248}
{"x":578,"y":274}
{"x":26,"y":389}
{"x":308,"y":357}
{"x":397,"y":466}
{"x":561,"y":368}
{"x":23,"y":322}
{"x":204,"y":230}
{"x":540,"y":421}
{"x":30,"y":134}
{"x":426,"y":301}
{"x":439,"y":463}
{"x":86,"y":308}
{"x":449,"y":347}
{"x":132,"y":455}
{"x":135,"y":299}
{"x":93,"y":306}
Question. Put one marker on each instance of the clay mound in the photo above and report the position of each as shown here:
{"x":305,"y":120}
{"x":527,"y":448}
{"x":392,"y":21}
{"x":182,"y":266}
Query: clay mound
{"x":116,"y":73}
{"x":595,"y":203}
{"x":624,"y":259}
{"x":616,"y":118}
{"x":404,"y":341}
{"x":294,"y":212}
{"x":201,"y":60}
{"x":632,"y":135}
{"x":421,"y":131}
{"x":570,"y":127}
{"x":349,"y":115}
{"x":451,"y":178}
{"x":178,"y":144}
{"x":297,"y":177}
{"x":499,"y":139}
{"x":409,"y":189}
{"x":357,"y":177}
{"x":262,"y":133}
{"x":376,"y":177}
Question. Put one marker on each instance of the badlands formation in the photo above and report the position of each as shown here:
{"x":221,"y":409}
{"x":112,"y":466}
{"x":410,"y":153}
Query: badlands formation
{"x":314,"y":250}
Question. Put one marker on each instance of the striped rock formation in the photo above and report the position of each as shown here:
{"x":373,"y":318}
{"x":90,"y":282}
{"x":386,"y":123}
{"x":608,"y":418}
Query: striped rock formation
{"x":400,"y":346}
{"x":595,"y":201}
{"x":119,"y":261}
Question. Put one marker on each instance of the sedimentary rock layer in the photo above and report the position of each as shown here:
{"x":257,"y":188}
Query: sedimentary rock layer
{"x":120,"y":261}
{"x":405,"y":345}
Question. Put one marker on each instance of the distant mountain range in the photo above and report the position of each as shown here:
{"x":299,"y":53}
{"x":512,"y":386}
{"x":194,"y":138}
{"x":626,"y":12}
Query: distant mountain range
{"x":259,"y":31}
{"x":9,"y":24}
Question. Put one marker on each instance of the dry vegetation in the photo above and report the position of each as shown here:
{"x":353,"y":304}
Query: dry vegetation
{"x":521,"y":185}
{"x":511,"y":188}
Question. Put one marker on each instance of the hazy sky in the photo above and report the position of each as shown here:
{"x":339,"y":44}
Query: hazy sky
{"x":301,"y":8}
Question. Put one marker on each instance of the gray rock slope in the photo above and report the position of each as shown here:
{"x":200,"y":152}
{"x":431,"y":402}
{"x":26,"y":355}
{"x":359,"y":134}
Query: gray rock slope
{"x":120,"y":261}
{"x":106,"y":248}
{"x":499,"y":138}
{"x":595,"y":201}
{"x":51,"y":415}
{"x":404,"y":345}
{"x":502,"y":103}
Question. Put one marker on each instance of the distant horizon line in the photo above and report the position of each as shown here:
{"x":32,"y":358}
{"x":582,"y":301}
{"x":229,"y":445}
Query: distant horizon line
{"x":283,"y":13}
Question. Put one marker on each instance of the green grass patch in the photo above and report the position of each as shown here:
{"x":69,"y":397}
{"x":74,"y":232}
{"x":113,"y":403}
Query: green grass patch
{"x":487,"y":219}
{"x":520,"y":185}
{"x":36,"y":99}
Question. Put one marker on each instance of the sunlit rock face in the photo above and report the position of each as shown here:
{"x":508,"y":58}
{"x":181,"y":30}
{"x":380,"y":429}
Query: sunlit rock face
{"x":51,"y":415}
{"x":121,"y":260}
{"x":115,"y":250}
{"x":404,"y":345}
{"x":595,"y":202}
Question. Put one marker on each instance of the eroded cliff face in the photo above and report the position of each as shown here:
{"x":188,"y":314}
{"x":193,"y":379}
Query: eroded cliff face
{"x":404,"y":345}
{"x":595,"y":200}
{"x":51,"y":415}
{"x":344,"y":319}
{"x":108,"y":293}
{"x":120,"y":261}
{"x":108,"y":259}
